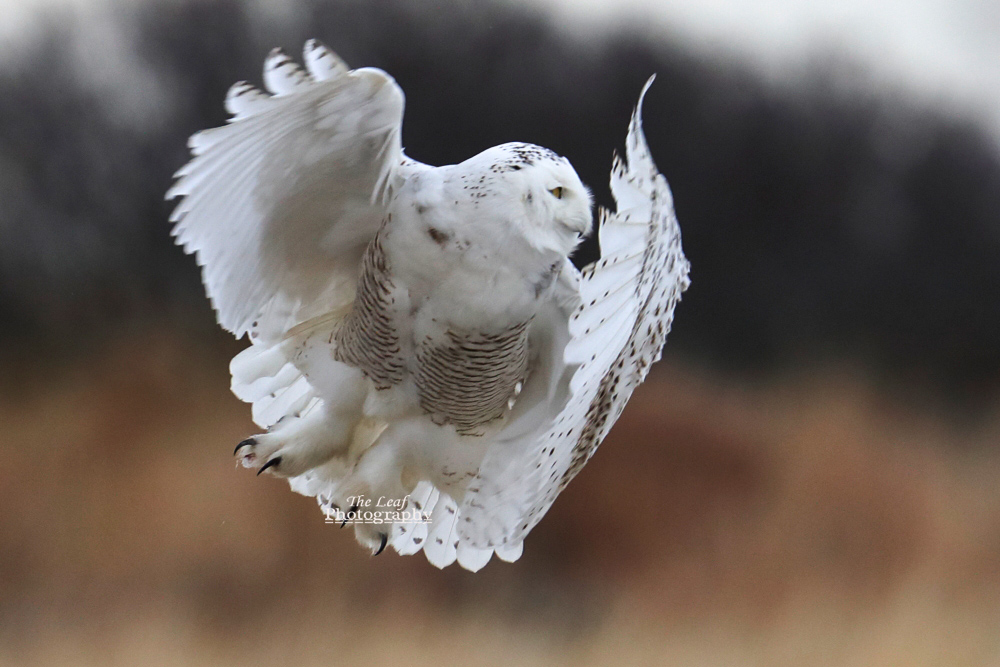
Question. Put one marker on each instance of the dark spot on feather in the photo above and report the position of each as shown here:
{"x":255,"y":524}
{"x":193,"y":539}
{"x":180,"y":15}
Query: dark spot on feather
{"x":439,"y":237}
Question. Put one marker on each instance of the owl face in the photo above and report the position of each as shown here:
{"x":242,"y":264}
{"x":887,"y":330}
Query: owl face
{"x":555,"y":205}
{"x":528,"y":191}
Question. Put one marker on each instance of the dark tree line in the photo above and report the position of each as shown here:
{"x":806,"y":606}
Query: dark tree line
{"x":818,"y":223}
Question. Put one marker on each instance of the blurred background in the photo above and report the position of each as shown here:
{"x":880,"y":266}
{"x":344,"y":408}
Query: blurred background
{"x":809,"y":477}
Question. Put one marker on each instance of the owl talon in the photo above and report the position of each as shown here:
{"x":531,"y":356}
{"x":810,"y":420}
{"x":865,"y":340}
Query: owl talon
{"x":273,"y":462}
{"x":354,"y":511}
{"x":381,"y":547}
{"x":249,"y":442}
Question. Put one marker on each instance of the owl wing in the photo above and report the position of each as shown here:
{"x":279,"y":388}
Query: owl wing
{"x":617,"y":329}
{"x":279,"y":204}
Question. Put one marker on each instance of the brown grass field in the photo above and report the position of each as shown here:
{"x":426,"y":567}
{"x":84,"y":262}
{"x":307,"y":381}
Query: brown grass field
{"x":815,"y":519}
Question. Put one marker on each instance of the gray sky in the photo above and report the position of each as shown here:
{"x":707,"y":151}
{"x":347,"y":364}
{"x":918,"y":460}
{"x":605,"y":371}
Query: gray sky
{"x":946,"y":52}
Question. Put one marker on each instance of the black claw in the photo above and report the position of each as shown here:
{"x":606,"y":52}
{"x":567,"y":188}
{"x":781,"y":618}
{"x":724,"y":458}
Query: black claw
{"x":272,"y":462}
{"x":249,"y":442}
{"x":353,"y":510}
{"x":381,"y":548}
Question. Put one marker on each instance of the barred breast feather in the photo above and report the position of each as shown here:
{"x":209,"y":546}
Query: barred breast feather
{"x":369,"y":338}
{"x":464,"y":378}
{"x":472,"y":378}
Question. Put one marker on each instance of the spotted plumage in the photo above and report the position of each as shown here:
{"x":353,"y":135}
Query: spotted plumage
{"x":418,"y":333}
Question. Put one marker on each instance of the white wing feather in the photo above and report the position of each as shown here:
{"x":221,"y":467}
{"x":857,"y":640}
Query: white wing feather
{"x":279,"y":204}
{"x":626,"y":305}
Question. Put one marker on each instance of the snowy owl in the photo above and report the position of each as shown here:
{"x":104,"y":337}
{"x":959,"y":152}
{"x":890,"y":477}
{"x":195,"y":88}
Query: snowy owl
{"x":425,"y":360}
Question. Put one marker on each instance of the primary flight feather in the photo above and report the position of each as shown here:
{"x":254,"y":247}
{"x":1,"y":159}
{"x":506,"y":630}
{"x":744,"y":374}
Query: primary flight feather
{"x":421,"y":345}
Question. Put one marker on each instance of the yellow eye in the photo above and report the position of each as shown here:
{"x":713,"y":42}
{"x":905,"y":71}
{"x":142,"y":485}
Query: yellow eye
{"x":557,"y":192}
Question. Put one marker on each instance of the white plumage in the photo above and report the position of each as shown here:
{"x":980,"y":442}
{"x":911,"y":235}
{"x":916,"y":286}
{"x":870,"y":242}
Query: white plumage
{"x":418,"y":333}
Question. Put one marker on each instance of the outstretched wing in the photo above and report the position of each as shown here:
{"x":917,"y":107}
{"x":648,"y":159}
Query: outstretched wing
{"x":279,"y":204}
{"x":617,"y":331}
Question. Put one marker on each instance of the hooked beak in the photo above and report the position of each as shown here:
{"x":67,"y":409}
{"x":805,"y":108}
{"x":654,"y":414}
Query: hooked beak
{"x":579,"y":226}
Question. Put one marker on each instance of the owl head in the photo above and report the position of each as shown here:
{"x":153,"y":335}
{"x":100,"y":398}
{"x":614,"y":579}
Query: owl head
{"x":543,"y":197}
